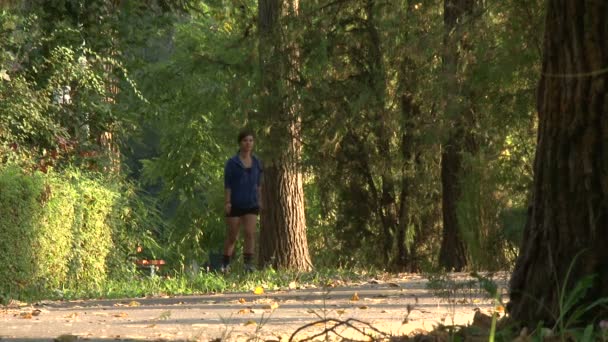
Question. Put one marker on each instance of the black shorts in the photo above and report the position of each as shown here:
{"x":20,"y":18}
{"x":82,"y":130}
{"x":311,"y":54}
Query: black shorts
{"x":238,"y":212}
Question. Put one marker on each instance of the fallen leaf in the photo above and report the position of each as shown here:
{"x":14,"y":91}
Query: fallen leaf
{"x":355,"y":297}
{"x":311,"y":311}
{"x":243,"y":311}
{"x":340,"y":312}
{"x":250,"y":322}
{"x":364,"y":307}
{"x":242,"y":300}
{"x":36,"y":312}
{"x":121,"y":314}
{"x":134,"y":303}
{"x":500,"y":308}
{"x":258,"y":290}
{"x":26,"y":315}
{"x":293,"y":285}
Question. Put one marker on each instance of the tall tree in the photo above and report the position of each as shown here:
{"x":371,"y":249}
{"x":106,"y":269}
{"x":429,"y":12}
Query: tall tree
{"x":365,"y":122}
{"x":456,"y":13}
{"x":568,"y":216}
{"x":283,"y":242}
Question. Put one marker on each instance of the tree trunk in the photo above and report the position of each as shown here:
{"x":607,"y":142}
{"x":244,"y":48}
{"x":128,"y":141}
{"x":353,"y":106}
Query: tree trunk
{"x":452,"y":255}
{"x":569,"y":210}
{"x":283,"y":242}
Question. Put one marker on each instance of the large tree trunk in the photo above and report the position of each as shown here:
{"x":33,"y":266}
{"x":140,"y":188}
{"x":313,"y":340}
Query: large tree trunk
{"x":452,"y":255}
{"x":569,"y":210}
{"x":283,"y":242}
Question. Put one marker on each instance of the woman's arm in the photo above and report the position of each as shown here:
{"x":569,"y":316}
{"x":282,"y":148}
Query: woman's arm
{"x":227,"y":202}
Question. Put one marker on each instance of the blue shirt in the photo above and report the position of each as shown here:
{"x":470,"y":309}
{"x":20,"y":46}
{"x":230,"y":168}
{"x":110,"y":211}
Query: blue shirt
{"x":243,"y":182}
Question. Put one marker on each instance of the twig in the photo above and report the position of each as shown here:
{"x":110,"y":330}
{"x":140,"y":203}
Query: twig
{"x":337,"y":324}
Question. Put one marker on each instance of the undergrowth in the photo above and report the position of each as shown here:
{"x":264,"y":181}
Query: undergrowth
{"x":142,"y":285}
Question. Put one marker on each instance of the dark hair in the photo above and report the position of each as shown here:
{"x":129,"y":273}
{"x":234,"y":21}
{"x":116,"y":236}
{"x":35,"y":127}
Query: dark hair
{"x":245,"y":133}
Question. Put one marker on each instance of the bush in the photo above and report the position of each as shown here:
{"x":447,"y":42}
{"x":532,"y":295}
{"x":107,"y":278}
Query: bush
{"x":63,"y":230}
{"x":92,"y":232}
{"x":21,"y":210}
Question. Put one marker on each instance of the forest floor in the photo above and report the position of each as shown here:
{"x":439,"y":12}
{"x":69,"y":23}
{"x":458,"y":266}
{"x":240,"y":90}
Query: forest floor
{"x":396,"y":306}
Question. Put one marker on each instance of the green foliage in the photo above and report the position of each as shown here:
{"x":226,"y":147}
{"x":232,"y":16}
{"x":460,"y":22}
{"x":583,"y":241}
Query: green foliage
{"x":372,"y":89}
{"x":204,"y":64}
{"x":20,"y":208}
{"x":574,"y":302}
{"x":478,"y":214}
{"x":204,"y":283}
{"x":59,"y":80}
{"x":64,"y":230}
{"x":92,"y":238}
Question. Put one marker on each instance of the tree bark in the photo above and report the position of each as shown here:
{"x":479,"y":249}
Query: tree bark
{"x":452,"y":255}
{"x":283,"y":242}
{"x":567,"y":225}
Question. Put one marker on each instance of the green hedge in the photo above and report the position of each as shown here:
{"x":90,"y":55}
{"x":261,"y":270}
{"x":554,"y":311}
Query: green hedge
{"x":59,"y":230}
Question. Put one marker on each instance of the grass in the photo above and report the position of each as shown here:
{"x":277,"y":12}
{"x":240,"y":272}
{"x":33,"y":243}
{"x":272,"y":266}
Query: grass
{"x":139,"y":285}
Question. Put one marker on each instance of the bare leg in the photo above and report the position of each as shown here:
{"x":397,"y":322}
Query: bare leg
{"x":249,"y":222}
{"x":231,"y":235}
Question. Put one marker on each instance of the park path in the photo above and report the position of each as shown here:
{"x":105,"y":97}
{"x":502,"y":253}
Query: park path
{"x":398,"y":306}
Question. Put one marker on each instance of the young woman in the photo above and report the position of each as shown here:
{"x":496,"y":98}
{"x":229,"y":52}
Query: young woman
{"x":243,"y":185}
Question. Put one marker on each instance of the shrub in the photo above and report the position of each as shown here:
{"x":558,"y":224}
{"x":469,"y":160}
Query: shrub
{"x":20,"y":210}
{"x":64,"y":230}
{"x":92,"y":232}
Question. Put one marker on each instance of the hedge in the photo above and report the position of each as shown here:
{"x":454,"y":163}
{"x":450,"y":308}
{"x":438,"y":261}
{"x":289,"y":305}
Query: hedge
{"x":56,"y":230}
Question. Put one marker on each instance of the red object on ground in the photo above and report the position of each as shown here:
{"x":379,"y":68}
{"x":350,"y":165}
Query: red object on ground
{"x":145,"y":262}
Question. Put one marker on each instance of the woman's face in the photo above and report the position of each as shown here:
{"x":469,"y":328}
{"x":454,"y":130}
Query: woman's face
{"x":247,"y":144}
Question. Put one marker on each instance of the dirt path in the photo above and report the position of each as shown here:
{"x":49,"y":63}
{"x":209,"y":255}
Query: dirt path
{"x":241,"y":316}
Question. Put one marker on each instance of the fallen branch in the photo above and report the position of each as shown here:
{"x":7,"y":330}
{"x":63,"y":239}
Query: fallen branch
{"x":338,"y":323}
